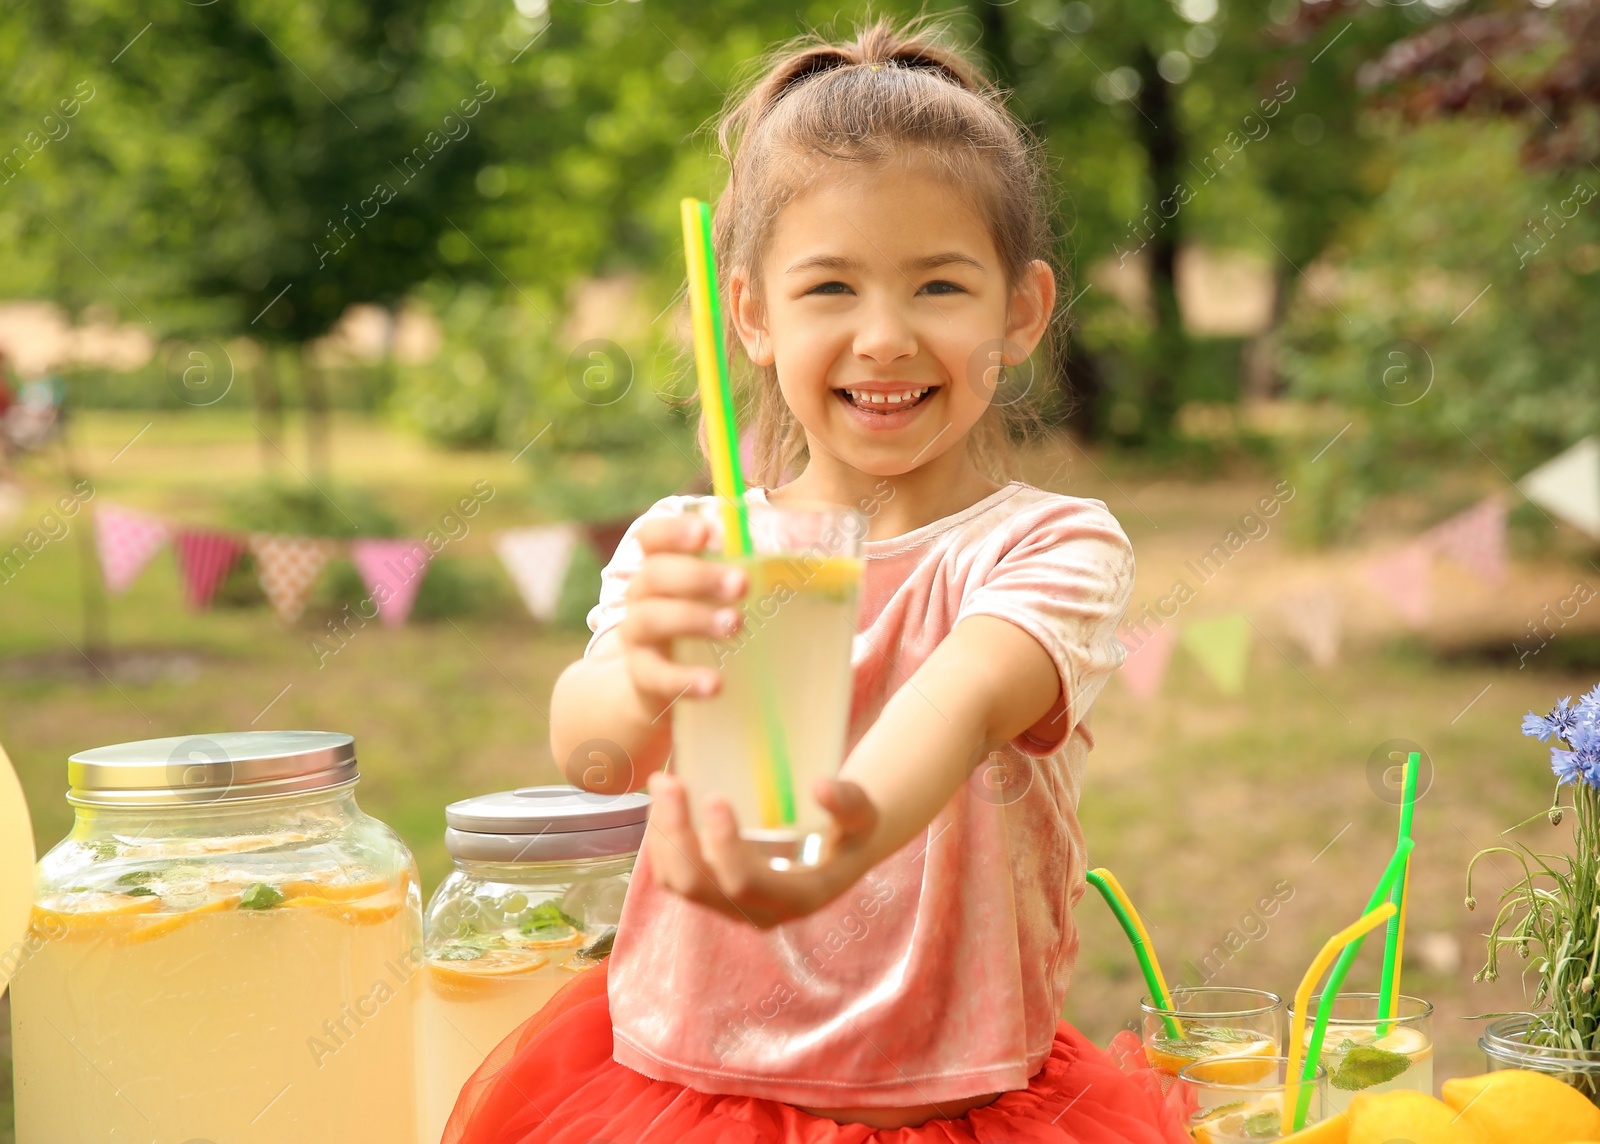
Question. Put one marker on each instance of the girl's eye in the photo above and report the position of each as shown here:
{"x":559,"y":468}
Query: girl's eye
{"x":829,"y":288}
{"x":941,"y":286}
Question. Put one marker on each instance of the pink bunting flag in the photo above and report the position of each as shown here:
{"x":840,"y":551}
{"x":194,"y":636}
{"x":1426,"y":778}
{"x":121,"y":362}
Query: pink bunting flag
{"x":1149,"y":652}
{"x":1402,"y":578}
{"x":289,"y":567}
{"x":204,"y":560}
{"x":392,"y":570}
{"x":1475,"y":539}
{"x":126,"y":540}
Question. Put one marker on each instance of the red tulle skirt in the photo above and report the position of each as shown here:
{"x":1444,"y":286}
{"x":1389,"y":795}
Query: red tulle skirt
{"x":552,"y":1081}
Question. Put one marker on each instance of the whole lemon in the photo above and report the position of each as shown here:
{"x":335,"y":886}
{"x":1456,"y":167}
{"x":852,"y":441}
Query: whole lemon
{"x":1523,"y":1106}
{"x":1381,"y":1118}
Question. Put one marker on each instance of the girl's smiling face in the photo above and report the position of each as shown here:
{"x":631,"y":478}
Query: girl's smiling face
{"x":883,"y":305}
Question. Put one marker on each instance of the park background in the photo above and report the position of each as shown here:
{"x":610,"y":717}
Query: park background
{"x":1343,"y":248}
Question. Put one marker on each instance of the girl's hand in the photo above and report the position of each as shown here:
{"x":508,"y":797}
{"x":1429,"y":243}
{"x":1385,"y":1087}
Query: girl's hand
{"x":676,"y":593}
{"x":718,"y":868}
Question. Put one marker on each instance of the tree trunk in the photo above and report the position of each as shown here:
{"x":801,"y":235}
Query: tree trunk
{"x":269,"y":410}
{"x":314,"y":385}
{"x":1158,"y":129}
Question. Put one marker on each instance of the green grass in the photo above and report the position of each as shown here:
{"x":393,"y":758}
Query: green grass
{"x":1202,"y":804}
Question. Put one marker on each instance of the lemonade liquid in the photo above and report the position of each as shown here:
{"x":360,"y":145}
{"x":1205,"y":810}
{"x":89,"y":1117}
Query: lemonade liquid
{"x":1213,"y":1042}
{"x":256,"y":1016}
{"x":787,"y":668}
{"x":1241,"y":1121}
{"x":470,"y":1006}
{"x":1409,"y":1042}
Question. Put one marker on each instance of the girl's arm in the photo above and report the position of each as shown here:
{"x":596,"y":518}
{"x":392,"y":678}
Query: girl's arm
{"x":610,"y":712}
{"x":984,"y":684}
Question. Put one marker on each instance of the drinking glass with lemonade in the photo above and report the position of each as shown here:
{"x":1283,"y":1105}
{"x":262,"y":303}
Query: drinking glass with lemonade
{"x":779,"y":722}
{"x":1239,"y":1028}
{"x":1365,"y":1054}
{"x":1227,"y":1108}
{"x":224,"y":948}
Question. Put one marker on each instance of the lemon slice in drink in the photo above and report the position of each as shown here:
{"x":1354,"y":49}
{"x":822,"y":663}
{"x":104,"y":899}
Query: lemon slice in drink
{"x":1405,"y":1039}
{"x":1240,"y":1121}
{"x":1232,"y":1055}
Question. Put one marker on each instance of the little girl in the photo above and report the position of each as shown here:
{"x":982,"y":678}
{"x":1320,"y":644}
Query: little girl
{"x":886,"y":245}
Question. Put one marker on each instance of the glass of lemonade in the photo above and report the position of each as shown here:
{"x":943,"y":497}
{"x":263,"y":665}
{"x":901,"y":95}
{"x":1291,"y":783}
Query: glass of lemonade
{"x":779,"y":721}
{"x":1214,"y":1021}
{"x":534,"y":899}
{"x":224,"y":948}
{"x":1224,"y":1108}
{"x":1362,"y":1055}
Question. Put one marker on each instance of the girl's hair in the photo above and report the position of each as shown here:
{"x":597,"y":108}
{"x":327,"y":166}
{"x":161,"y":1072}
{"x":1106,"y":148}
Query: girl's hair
{"x":889,"y":93}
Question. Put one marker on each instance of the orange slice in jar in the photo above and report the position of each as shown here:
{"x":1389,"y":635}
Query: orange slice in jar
{"x":335,"y":891}
{"x":371,"y":912}
{"x":111,"y":908}
{"x":482,"y":972}
{"x":162,"y":926}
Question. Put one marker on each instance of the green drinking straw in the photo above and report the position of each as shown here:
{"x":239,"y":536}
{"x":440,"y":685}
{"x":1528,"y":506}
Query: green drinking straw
{"x":716,"y":395}
{"x":1152,"y":981}
{"x":1335,"y":982}
{"x":1388,"y":987}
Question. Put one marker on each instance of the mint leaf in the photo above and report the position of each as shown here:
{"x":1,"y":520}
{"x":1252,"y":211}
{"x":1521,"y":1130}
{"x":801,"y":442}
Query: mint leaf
{"x":1262,"y":1126}
{"x":259,"y":896}
{"x":139,"y":892}
{"x":1365,"y":1066}
{"x":548,"y":922}
{"x":458,"y":953}
{"x":135,"y":877}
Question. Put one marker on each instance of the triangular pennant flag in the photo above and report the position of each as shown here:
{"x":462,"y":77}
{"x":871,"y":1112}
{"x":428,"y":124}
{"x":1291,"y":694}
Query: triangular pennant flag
{"x":1402,"y":578}
{"x":1148,"y":655}
{"x":126,"y":540}
{"x":537,"y":560}
{"x":1569,"y":485}
{"x":392,"y":570}
{"x":1475,"y":539}
{"x":289,"y":567}
{"x":1222,"y":647}
{"x":204,"y":560}
{"x":1315,"y":623}
{"x":605,"y":536}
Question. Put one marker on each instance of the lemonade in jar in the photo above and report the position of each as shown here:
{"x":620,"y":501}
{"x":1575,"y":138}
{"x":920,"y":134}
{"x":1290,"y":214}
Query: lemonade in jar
{"x":225,"y":948}
{"x":534,"y":899}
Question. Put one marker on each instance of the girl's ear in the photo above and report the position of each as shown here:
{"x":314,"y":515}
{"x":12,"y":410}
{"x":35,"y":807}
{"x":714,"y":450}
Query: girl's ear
{"x":749,"y":320}
{"x":1031,"y":304}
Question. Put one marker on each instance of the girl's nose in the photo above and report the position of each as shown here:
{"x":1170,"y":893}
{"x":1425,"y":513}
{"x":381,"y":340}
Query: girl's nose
{"x":885,"y":334}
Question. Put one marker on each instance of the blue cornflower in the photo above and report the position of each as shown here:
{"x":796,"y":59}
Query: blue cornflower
{"x":1561,"y":721}
{"x":1577,"y":726}
{"x":1566,"y":765}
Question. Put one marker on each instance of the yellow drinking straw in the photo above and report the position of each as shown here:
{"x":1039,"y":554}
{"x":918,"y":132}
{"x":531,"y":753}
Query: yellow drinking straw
{"x":1115,"y":886}
{"x":1302,"y":1002}
{"x":727,"y":481}
{"x":1133,"y":928}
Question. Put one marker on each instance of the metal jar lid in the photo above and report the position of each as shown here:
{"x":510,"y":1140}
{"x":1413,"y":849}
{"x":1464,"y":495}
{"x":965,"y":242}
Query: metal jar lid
{"x":189,"y":770}
{"x":545,"y":824}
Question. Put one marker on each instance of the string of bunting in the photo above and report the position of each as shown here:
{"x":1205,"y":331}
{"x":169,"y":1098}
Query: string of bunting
{"x":1220,"y":645}
{"x":289,"y":567}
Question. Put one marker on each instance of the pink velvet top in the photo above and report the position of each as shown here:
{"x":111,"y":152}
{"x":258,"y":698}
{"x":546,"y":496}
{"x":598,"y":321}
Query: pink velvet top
{"x":941,"y":974}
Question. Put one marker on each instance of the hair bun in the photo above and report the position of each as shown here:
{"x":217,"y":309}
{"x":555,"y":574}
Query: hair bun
{"x":878,"y":46}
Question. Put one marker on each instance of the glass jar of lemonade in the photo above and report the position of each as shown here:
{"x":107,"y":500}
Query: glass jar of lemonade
{"x":535,"y":897}
{"x":225,"y":949}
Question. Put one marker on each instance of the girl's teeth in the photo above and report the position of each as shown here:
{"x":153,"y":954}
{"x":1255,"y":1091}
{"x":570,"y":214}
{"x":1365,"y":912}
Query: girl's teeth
{"x":865,"y":398}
